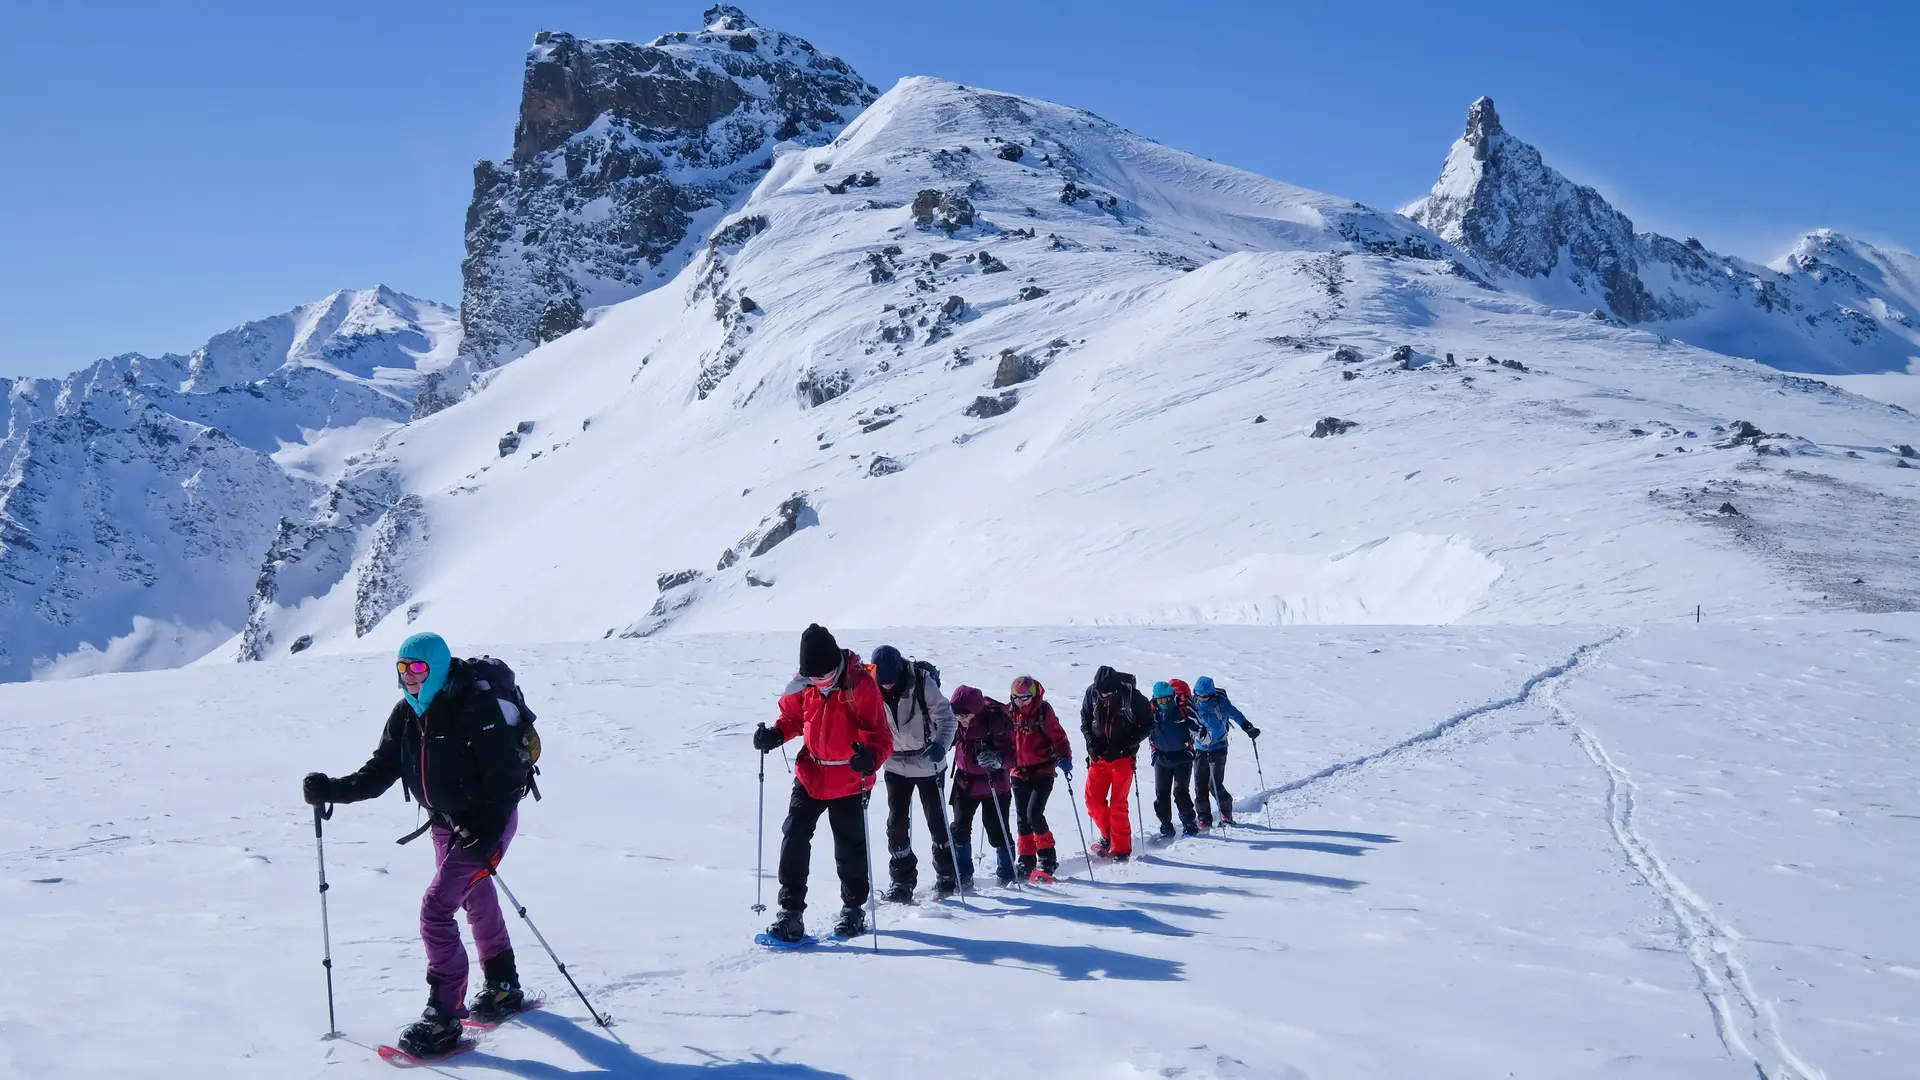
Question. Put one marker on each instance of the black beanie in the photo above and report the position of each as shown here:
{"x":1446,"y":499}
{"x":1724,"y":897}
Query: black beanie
{"x":819,"y":653}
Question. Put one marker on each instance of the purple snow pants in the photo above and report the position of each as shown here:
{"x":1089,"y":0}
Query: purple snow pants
{"x":460,"y":883}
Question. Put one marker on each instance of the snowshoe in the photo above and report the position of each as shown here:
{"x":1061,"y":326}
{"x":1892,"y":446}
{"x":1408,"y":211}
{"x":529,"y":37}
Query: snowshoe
{"x":898,"y":893}
{"x":1166,"y":830}
{"x":1226,"y":821}
{"x":436,"y":1034}
{"x":1025,"y":867}
{"x":499,"y":996}
{"x":1049,"y":861}
{"x":788,"y":929}
{"x":1122,"y":856}
{"x":1040,"y":877}
{"x":1102,"y":848}
{"x":853,"y":923}
{"x":1189,"y":830}
{"x":944,"y":888}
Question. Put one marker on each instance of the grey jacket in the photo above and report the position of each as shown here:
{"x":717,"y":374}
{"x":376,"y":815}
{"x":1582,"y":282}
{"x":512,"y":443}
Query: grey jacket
{"x":920,"y":716}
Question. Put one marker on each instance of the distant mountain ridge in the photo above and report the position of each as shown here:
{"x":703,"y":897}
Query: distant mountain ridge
{"x":1834,"y":304}
{"x":141,"y":491}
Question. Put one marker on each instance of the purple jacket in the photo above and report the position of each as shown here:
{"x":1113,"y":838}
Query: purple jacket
{"x":991,"y":730}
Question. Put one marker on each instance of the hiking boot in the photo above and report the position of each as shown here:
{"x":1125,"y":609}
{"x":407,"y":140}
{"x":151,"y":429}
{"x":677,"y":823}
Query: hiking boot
{"x":1189,"y":829}
{"x":943,"y":888}
{"x":898,"y":893}
{"x":853,"y":923}
{"x":435,"y":1034}
{"x":1024,"y":868}
{"x":1049,"y":860}
{"x":789,"y":927}
{"x":1122,"y":856}
{"x":1003,"y":867}
{"x":1102,"y":848}
{"x":1166,"y":830}
{"x":1226,"y":820}
{"x":499,"y":995}
{"x":1205,"y":824}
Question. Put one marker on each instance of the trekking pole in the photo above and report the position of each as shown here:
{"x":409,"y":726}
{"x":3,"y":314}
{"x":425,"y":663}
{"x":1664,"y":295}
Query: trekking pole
{"x":866,"y":845}
{"x":760,"y":841}
{"x":1084,"y":849}
{"x":1139,"y":807}
{"x":1266,"y":804}
{"x":1006,"y":835}
{"x":603,"y":1021}
{"x":326,"y":932}
{"x":946,"y":834}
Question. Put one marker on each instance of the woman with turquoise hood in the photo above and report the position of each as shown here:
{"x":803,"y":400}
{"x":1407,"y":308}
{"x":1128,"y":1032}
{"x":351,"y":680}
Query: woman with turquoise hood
{"x":458,"y":750}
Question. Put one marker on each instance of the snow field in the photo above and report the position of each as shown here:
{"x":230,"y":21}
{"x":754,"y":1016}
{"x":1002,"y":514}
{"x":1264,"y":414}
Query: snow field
{"x":1537,"y":851}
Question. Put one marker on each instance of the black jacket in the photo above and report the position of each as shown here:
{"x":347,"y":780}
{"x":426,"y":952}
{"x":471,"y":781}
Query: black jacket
{"x":462,"y":760}
{"x":1114,"y":716}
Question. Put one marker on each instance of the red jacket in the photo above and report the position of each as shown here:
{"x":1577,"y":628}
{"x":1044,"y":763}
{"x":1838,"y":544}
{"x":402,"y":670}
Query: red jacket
{"x":1038,"y":738}
{"x":852,"y":711}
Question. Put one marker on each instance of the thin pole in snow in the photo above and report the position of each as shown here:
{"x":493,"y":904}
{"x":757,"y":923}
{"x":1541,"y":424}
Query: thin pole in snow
{"x":326,"y":932}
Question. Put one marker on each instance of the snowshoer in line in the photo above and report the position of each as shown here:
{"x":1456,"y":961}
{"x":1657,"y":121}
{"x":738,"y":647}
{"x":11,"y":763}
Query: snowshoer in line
{"x":982,"y":748}
{"x":1172,"y":739}
{"x":1215,"y":713}
{"x":1114,"y":718}
{"x":1040,"y":747}
{"x":457,"y":750}
{"x":841,"y":719}
{"x":922,"y":724}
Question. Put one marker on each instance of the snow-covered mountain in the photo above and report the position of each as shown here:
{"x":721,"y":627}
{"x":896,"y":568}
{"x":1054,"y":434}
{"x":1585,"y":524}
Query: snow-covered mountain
{"x":1833,"y":305}
{"x":138,"y":495}
{"x":624,"y":157}
{"x":984,"y":360}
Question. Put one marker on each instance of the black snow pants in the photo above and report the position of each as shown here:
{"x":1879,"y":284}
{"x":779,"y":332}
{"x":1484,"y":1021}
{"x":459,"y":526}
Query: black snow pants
{"x":1172,"y":781}
{"x":1030,"y":795}
{"x":902,"y":865}
{"x":1210,"y":785}
{"x":847,"y":817}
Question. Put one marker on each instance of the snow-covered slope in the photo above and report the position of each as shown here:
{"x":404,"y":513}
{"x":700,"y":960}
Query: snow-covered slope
{"x":1685,"y":856}
{"x":986,"y":360}
{"x":137,"y":496}
{"x":1833,"y":305}
{"x":624,"y":157}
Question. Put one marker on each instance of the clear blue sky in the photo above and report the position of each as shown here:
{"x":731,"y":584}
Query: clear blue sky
{"x":175,"y":168}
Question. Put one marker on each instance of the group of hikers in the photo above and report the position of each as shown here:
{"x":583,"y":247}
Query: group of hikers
{"x":889,"y":715}
{"x":461,"y":742}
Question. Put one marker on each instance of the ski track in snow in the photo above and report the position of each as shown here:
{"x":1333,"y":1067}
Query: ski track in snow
{"x":1432,"y":738}
{"x":1711,"y":945}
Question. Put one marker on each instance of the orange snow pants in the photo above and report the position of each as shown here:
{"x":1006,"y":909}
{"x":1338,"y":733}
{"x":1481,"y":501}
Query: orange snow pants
{"x":1108,"y":784}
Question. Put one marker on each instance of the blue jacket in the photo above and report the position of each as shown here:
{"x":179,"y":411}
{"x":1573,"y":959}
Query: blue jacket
{"x":1172,"y":733}
{"x":1214,"y":714}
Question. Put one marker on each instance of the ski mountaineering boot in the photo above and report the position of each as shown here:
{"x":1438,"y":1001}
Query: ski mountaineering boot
{"x":853,"y":923}
{"x":435,"y":1034}
{"x":1026,"y":866}
{"x":500,"y":995}
{"x":898,"y":893}
{"x":1049,"y":860}
{"x":1003,"y":866}
{"x":789,"y":927}
{"x":963,"y":864}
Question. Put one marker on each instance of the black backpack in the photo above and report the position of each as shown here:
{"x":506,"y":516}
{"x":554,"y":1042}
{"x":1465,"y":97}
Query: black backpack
{"x":923,"y":671}
{"x":493,"y":677}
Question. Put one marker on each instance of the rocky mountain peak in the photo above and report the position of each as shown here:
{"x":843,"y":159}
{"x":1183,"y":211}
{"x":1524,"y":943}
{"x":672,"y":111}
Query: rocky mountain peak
{"x":1482,"y":125}
{"x":727,"y":17}
{"x":623,"y":156}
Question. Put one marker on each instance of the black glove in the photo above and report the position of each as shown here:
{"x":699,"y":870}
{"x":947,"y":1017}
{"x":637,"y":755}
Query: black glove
{"x":479,"y":830}
{"x":316,"y":789}
{"x":863,"y":760}
{"x":1253,"y":732}
{"x":988,"y":759}
{"x":766,"y":738}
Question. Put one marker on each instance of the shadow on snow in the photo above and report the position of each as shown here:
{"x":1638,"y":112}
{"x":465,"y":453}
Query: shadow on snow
{"x":606,"y":1056}
{"x":1070,"y":962}
{"x":1322,"y":881}
{"x":1118,"y":918}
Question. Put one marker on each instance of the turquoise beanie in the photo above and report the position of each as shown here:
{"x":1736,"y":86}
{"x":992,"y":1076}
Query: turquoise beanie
{"x":1161,"y":690}
{"x":433,"y":649}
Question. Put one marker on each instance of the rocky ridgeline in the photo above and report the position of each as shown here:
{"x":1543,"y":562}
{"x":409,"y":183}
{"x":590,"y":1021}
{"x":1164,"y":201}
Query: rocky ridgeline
{"x":145,"y":486}
{"x":624,"y":156}
{"x":1834,"y":304}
